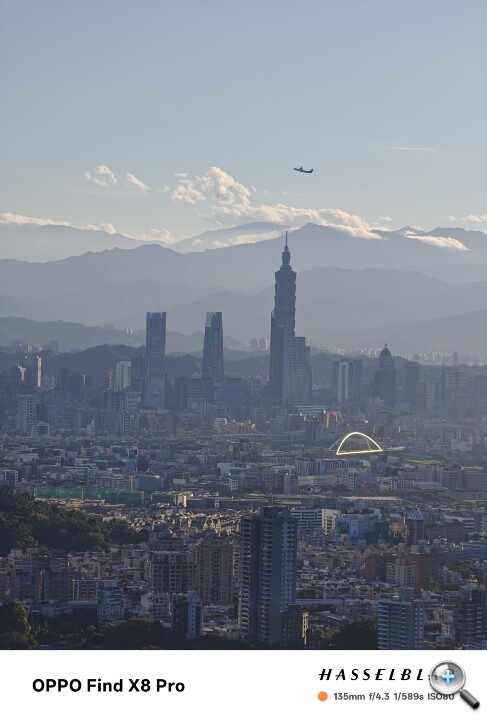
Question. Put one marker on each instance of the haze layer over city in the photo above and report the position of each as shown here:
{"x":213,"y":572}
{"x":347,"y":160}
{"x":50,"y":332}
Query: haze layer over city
{"x":243,"y":293}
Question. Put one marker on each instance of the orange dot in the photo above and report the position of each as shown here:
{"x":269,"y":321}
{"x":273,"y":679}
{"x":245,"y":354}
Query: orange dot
{"x":322,"y":696}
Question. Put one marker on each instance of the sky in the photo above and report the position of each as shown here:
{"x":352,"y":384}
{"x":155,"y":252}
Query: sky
{"x":160,"y":119}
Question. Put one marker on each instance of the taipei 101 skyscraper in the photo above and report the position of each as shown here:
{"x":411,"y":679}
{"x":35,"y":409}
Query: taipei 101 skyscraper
{"x":283,"y":319}
{"x":289,"y":368}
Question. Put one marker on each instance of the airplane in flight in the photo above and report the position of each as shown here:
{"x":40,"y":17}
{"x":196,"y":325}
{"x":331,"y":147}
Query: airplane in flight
{"x":300,"y":169}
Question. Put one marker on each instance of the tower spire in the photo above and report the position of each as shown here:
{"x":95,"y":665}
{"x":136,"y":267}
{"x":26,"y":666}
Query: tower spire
{"x":286,"y":256}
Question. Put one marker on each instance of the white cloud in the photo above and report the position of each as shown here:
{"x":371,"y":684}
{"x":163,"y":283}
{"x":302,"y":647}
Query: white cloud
{"x":221,"y":186}
{"x":13,"y":219}
{"x":230,"y":200}
{"x":157,"y":235}
{"x":448,"y":243}
{"x":408,"y":148}
{"x":214,"y":185}
{"x":385,"y":218}
{"x":9,"y":218}
{"x":102,"y":176}
{"x":154,"y":234}
{"x":105,"y":178}
{"x":247,"y":238}
{"x":186,"y":191}
{"x":286,"y":214}
{"x":103,"y":227}
{"x":132,"y":180}
{"x":476,"y":218}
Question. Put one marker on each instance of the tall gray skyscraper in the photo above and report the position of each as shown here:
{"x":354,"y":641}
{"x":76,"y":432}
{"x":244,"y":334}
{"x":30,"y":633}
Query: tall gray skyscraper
{"x":155,"y":354}
{"x":212,"y":367}
{"x":267,"y":573}
{"x":289,"y":367}
{"x":385,"y":378}
{"x":26,"y":414}
{"x":282,"y":322}
{"x":296,"y":376}
{"x":347,"y":380}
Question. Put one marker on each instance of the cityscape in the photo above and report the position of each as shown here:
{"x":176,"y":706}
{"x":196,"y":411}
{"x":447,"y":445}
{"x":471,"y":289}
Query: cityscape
{"x":219,"y":510}
{"x":243,"y":302}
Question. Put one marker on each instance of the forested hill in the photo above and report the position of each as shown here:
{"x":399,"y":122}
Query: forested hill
{"x":25,"y":522}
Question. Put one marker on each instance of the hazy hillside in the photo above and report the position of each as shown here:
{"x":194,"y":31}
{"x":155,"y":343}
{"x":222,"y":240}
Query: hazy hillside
{"x":70,"y":336}
{"x":465,"y":333}
{"x":43,"y":243}
{"x":350,"y":290}
{"x":246,"y":233}
{"x":243,"y":267}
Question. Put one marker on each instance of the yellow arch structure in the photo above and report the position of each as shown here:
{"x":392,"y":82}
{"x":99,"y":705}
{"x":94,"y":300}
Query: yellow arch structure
{"x":372,"y":446}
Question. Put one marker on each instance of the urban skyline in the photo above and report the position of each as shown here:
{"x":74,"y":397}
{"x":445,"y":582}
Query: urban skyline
{"x":202,"y":447}
{"x":253,"y":500}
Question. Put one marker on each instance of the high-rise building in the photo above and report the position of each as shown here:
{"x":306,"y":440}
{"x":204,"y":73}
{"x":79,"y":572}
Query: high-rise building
{"x":415,"y":526}
{"x":215,"y":566}
{"x":470,"y":615}
{"x":289,"y":365}
{"x":385,"y":378}
{"x":110,"y":605}
{"x":412,"y":384}
{"x":155,"y":355}
{"x":347,"y":380}
{"x":122,"y":377}
{"x":283,"y":320}
{"x":61,"y":379}
{"x":296,"y":374}
{"x":428,"y":562}
{"x":295,"y":622}
{"x":401,"y":623}
{"x":453,"y":391}
{"x":212,"y":367}
{"x":26,"y":414}
{"x":33,"y":373}
{"x":172,"y":572}
{"x":186,"y":614}
{"x":400,"y":573}
{"x":267,"y":573}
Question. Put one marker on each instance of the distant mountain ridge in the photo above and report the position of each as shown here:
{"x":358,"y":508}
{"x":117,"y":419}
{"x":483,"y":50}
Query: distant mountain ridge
{"x":246,"y":267}
{"x":348,"y":288}
{"x":75,"y":336}
{"x":33,"y":242}
{"x":44,"y":243}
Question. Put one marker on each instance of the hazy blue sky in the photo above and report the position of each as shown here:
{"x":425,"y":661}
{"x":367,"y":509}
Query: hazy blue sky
{"x":163,"y":117}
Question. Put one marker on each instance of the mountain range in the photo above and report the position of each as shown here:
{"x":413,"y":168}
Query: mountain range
{"x":351,"y":291}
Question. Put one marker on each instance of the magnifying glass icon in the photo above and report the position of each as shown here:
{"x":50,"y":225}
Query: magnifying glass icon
{"x":448,"y":678}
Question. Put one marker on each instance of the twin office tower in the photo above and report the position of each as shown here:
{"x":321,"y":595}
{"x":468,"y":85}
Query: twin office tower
{"x":212,"y":370}
{"x":289,"y":366}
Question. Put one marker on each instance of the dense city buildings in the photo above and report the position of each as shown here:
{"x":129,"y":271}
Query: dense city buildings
{"x":222,"y":497}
